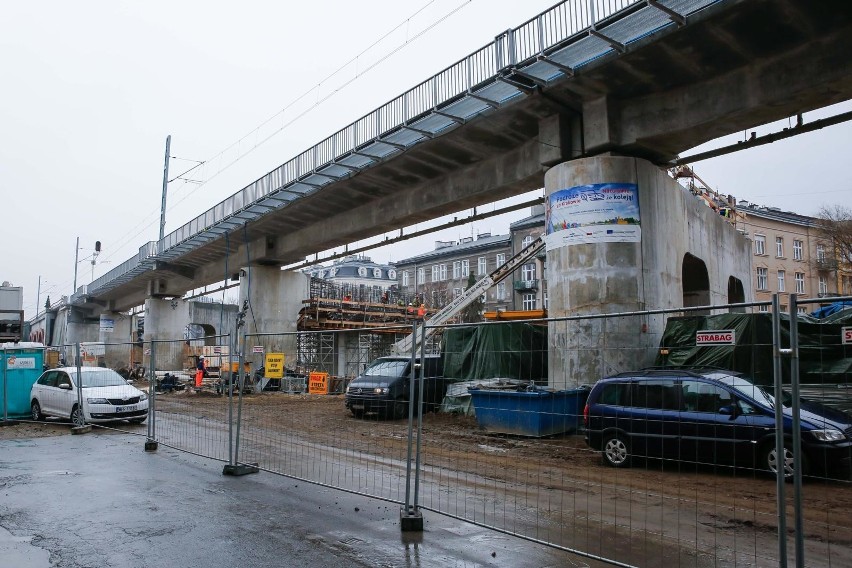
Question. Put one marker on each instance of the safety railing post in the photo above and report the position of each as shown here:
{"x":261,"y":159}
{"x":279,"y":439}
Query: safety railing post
{"x":780,"y":501}
{"x":798,"y":457}
{"x":419,"y":416}
{"x":235,"y":467}
{"x":151,"y":441}
{"x":410,"y":517}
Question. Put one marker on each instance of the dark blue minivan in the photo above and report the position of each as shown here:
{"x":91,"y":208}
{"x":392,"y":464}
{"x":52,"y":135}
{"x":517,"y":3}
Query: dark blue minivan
{"x":710,"y":417}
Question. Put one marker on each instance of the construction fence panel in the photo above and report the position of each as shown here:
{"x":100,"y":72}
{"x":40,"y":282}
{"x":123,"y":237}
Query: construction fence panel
{"x":509,"y":449}
{"x":189,"y":412}
{"x":295,"y":422}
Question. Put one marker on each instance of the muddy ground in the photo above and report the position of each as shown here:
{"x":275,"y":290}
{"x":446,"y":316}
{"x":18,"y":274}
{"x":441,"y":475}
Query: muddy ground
{"x":725,"y":501}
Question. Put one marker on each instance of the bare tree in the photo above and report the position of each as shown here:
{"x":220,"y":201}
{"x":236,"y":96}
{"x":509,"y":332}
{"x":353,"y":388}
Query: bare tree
{"x":472,"y":313}
{"x":834,"y":230}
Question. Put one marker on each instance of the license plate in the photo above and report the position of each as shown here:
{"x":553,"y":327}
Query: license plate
{"x":358,"y":406}
{"x":119,"y":409}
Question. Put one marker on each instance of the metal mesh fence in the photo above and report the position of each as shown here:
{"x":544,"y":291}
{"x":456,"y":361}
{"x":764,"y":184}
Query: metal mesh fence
{"x":617,"y":437}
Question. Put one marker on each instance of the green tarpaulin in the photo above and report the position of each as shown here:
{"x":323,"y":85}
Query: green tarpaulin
{"x":822,"y":355}
{"x":507,"y":350}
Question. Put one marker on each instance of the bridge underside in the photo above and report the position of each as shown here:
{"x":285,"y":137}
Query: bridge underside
{"x":733,"y":66}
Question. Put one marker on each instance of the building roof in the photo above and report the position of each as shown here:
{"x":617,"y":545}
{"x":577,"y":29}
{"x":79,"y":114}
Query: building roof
{"x":354,"y":266}
{"x":462,"y":247}
{"x":774,"y":213}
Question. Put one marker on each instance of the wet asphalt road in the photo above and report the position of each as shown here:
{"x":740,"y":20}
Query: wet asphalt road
{"x":99,"y":500}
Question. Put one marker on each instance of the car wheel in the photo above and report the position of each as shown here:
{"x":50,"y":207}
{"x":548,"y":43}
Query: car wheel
{"x":399,"y":409}
{"x":770,"y":461}
{"x":616,"y":451}
{"x":36,"y":411}
{"x":77,"y":417}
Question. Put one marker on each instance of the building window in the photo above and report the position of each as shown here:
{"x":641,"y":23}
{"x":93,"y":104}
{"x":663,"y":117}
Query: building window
{"x":377,"y":273}
{"x":781,"y":277}
{"x":443,"y":272}
{"x":456,"y":269}
{"x":820,"y":253}
{"x":362,"y":271}
{"x":779,"y":247}
{"x":457,"y":292}
{"x":759,"y":245}
{"x":800,"y":283}
{"x":465,"y":268}
{"x":528,"y":272}
{"x":763,"y":308}
{"x":405,"y":278}
{"x":528,"y":302}
{"x":501,"y":259}
{"x":544,"y":300}
{"x":501,"y":291}
{"x":421,"y":276}
{"x":527,"y":241}
{"x":823,"y":286}
{"x":762,"y":279}
{"x":481,"y":266}
{"x":436,"y":273}
{"x":797,"y":249}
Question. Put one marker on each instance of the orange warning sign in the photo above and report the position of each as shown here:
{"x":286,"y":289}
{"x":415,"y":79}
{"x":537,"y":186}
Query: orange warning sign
{"x":318,"y":383}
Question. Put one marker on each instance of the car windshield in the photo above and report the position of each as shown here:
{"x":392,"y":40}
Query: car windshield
{"x":387,"y":368}
{"x":757,"y":392}
{"x":102,"y":378}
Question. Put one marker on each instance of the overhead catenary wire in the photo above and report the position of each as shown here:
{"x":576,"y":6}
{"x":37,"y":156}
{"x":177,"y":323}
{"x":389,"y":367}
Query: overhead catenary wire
{"x":143,"y":226}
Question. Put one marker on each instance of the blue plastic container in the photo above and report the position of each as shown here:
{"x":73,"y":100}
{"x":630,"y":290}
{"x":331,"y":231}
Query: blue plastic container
{"x":534,"y":413}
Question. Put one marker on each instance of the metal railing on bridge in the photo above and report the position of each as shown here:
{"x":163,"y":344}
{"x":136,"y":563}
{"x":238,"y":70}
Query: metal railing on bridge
{"x":546,"y":48}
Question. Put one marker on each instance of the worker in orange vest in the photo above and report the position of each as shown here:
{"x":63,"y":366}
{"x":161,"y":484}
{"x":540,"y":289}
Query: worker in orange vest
{"x":200,"y":368}
{"x":421,"y":311}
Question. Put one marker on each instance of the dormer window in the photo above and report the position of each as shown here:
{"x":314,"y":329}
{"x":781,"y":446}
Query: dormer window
{"x":362,"y":271}
{"x":377,"y":273}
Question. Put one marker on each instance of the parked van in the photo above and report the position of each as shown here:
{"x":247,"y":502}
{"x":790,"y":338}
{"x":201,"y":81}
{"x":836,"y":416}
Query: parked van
{"x":384,"y":386}
{"x":713,"y":416}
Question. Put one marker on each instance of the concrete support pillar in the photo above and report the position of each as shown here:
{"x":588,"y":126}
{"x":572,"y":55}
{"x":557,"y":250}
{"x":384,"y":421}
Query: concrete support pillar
{"x":166,"y":319}
{"x":119,"y":350}
{"x":618,"y":229}
{"x":274,"y":300}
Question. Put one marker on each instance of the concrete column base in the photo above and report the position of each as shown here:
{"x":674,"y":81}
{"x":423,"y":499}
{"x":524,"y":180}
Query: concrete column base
{"x":411,"y":520}
{"x":151,"y":446}
{"x":81,"y":429}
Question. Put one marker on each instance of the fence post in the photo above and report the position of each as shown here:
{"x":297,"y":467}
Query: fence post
{"x":797,"y":433}
{"x":151,"y":442}
{"x":410,"y":518}
{"x":5,"y":389}
{"x":81,"y":428}
{"x":420,"y":419}
{"x":780,"y":501}
{"x":236,"y":468}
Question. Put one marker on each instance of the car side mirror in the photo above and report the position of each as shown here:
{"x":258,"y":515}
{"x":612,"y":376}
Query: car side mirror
{"x":65,"y":386}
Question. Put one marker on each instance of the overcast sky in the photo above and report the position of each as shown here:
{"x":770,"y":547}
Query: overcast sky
{"x":91,"y":89}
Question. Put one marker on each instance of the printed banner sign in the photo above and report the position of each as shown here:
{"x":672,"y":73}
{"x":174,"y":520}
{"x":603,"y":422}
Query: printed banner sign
{"x":107,"y":324}
{"x":257,"y":349}
{"x":594,"y":213}
{"x":274,"y":366}
{"x":716,"y":337}
{"x":846,"y":334}
{"x":17,"y":362}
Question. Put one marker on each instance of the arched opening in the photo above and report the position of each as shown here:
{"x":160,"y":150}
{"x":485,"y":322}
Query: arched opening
{"x":736,"y":294}
{"x":696,"y":282}
{"x":201,"y":334}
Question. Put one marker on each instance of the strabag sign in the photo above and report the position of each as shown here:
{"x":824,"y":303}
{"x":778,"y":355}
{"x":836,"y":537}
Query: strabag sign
{"x":846,"y":335}
{"x":716,"y":337}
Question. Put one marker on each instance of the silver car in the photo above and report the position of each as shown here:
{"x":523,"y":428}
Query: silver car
{"x":106,"y":396}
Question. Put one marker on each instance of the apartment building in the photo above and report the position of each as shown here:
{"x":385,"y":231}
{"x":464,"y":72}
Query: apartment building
{"x":441,"y":274}
{"x":529,"y":284}
{"x":789,"y":257}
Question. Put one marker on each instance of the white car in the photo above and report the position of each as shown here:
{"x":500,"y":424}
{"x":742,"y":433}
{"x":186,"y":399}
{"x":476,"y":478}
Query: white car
{"x":106,"y":396}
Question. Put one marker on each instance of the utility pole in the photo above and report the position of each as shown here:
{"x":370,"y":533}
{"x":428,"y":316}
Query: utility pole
{"x":165,"y":188}
{"x":76,"y":261}
{"x":38,"y":294}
